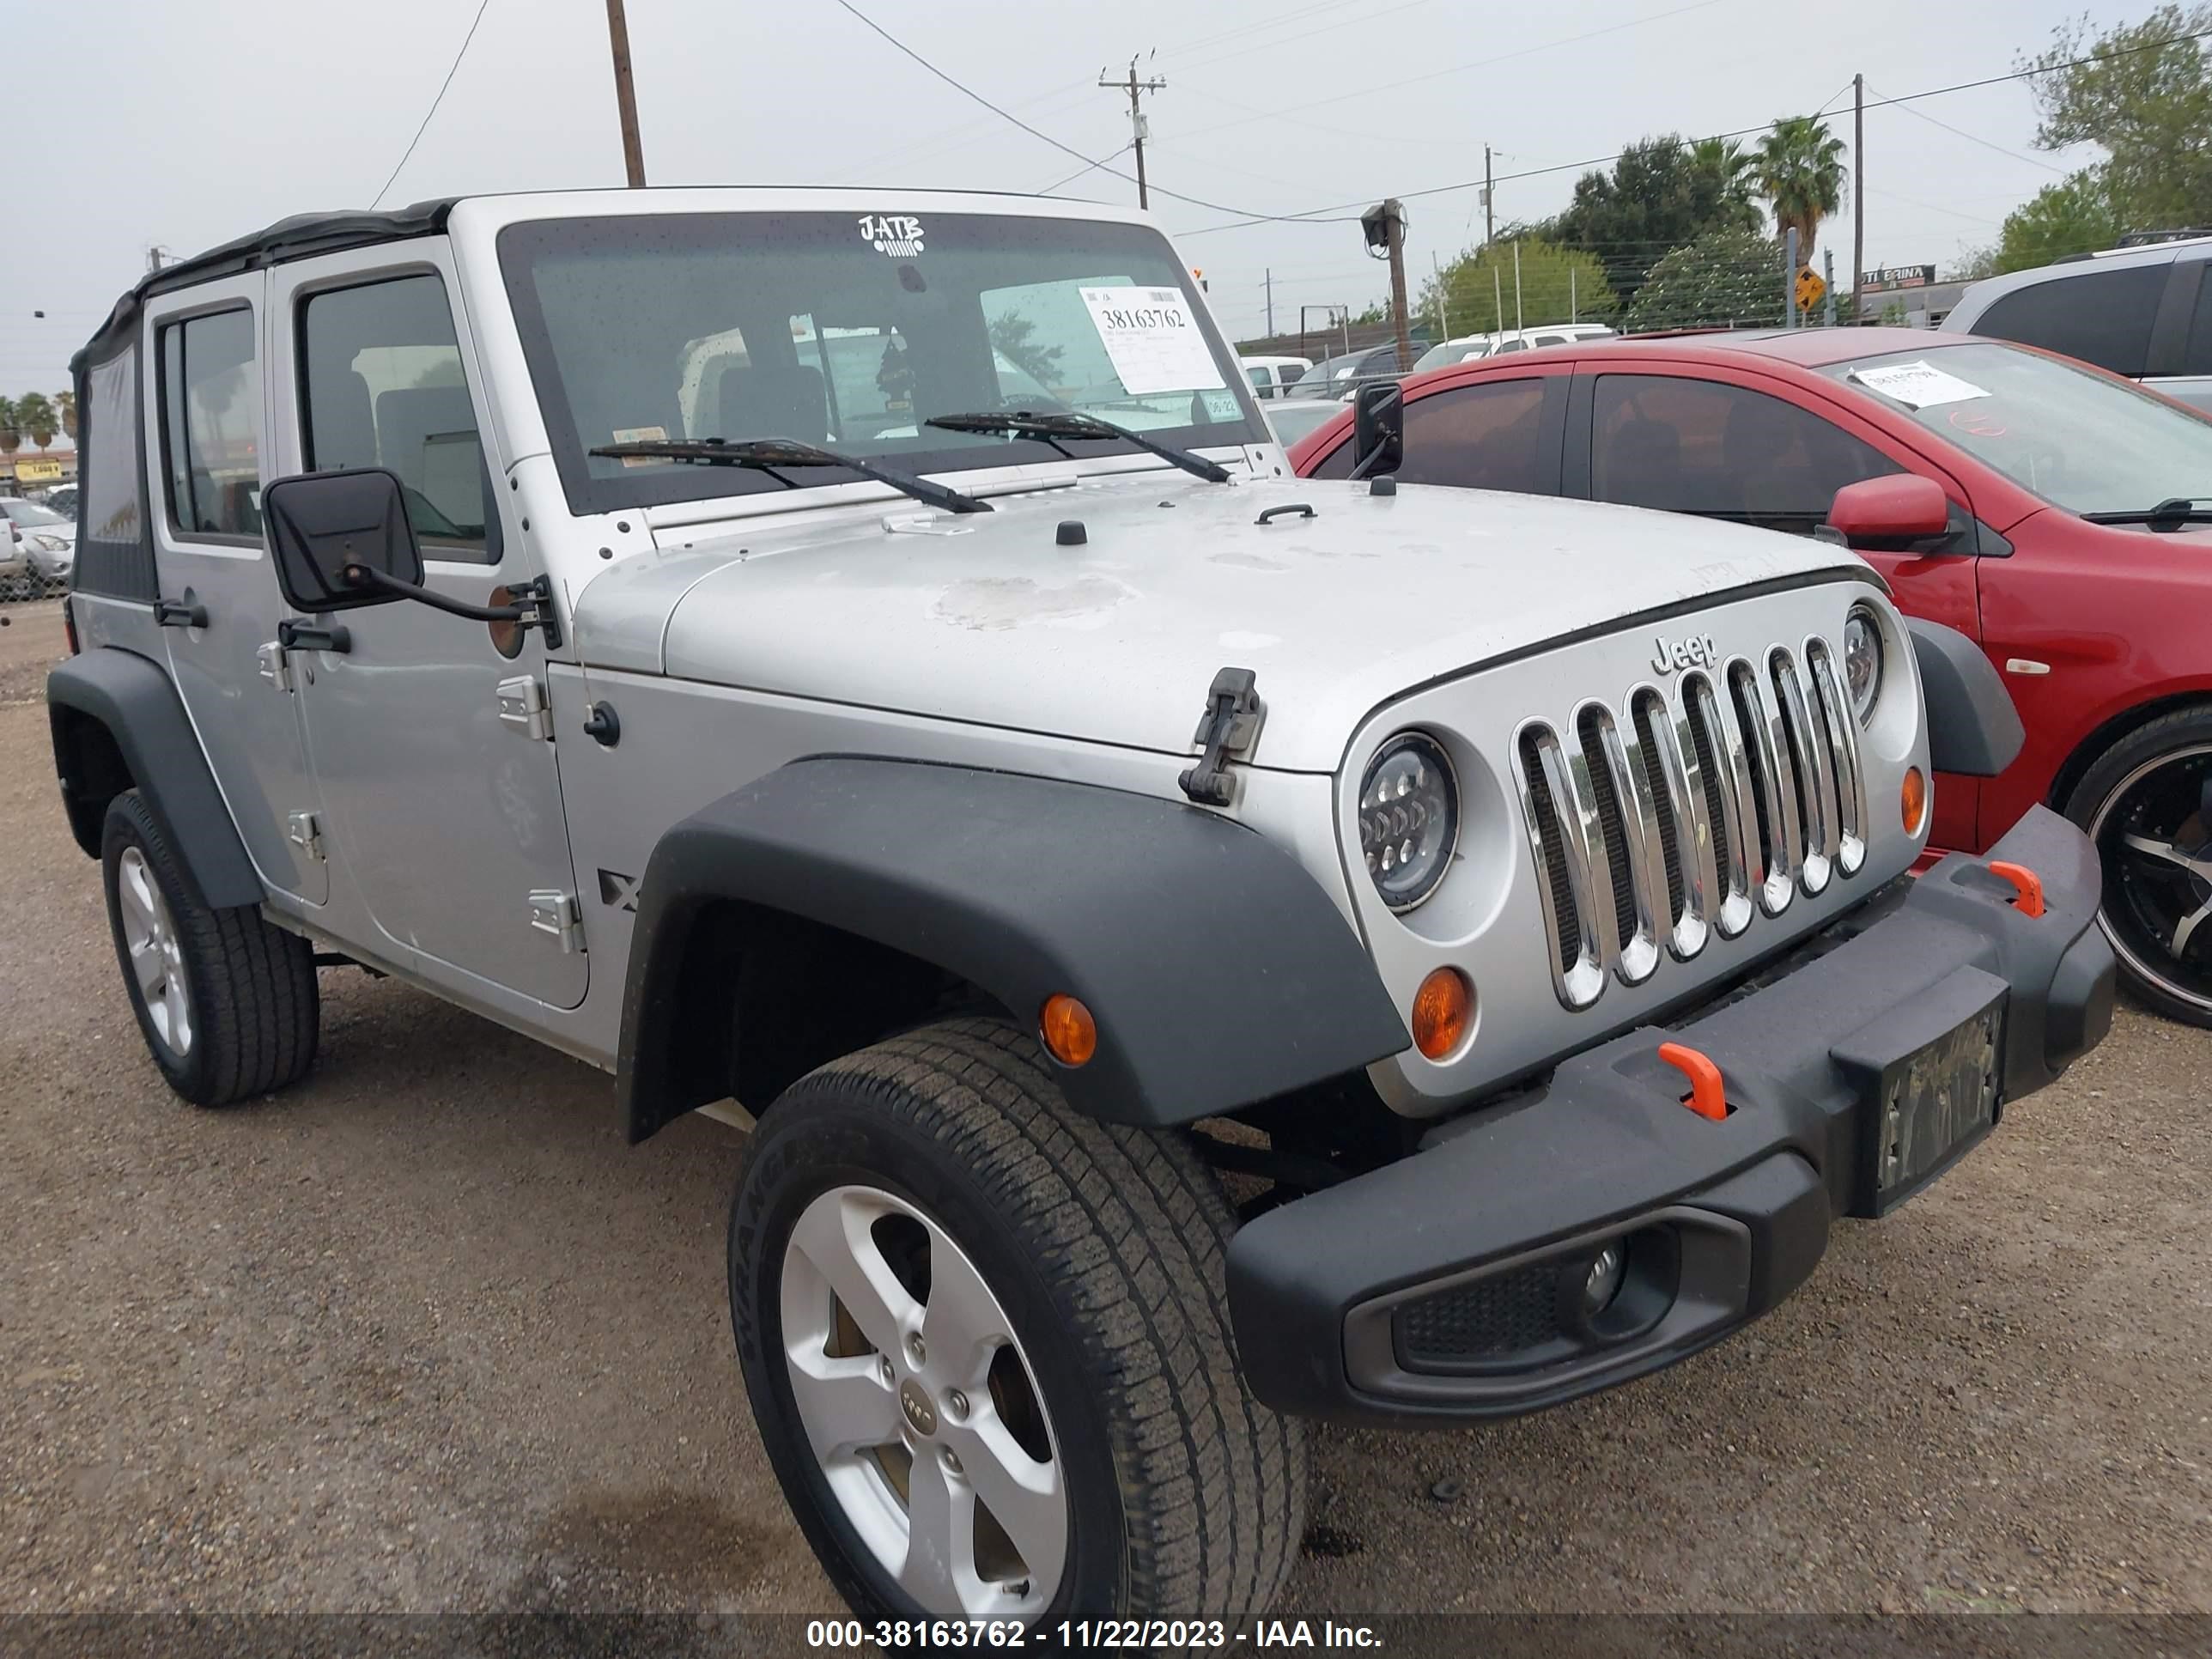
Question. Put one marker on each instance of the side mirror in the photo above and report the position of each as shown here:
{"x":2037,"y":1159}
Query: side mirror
{"x":340,"y":538}
{"x":1378,"y":429}
{"x":1889,"y":513}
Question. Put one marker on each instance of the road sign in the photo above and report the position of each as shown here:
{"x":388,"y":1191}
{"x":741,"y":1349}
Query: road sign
{"x":1810,"y":288}
{"x":37,"y":471}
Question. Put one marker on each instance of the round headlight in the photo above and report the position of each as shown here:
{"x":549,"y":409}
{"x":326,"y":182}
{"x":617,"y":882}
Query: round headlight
{"x":1862,"y":661}
{"x":1409,"y":818}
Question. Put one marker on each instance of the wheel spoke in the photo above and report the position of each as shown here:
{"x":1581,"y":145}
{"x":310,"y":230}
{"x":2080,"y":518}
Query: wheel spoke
{"x":835,"y":1239}
{"x":179,"y":1033}
{"x":2186,"y":929}
{"x":135,"y":887}
{"x":149,"y":965}
{"x":2159,"y":850}
{"x":962,"y":1324}
{"x":1022,"y":1494}
{"x":845,"y":1403}
{"x":939,"y":1571}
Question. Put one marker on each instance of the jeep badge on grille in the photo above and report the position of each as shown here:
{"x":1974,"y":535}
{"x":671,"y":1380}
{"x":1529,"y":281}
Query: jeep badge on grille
{"x":1697,"y":651}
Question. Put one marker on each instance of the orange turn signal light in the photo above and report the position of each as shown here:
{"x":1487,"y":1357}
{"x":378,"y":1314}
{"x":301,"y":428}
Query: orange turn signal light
{"x":1070,"y":1034}
{"x":2026,"y":885}
{"x":1443,"y":1008}
{"x":1707,"y":1098}
{"x":1912,"y":799}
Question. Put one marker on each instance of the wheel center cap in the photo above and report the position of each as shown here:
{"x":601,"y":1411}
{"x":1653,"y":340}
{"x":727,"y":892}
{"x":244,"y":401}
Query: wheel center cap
{"x":920,"y":1414}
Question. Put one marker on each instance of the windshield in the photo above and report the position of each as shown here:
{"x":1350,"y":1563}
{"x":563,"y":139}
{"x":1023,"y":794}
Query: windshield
{"x":2079,"y":439}
{"x":31,"y":513}
{"x":850,"y":331}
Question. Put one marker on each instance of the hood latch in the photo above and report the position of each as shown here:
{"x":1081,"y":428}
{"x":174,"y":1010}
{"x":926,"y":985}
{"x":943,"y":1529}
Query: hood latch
{"x":1231,"y":726}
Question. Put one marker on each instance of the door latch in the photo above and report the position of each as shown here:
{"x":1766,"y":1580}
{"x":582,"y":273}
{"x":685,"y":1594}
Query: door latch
{"x":305,"y":831}
{"x":1231,"y":726}
{"x":522,"y":706}
{"x":276,"y":664}
{"x":557,"y":913}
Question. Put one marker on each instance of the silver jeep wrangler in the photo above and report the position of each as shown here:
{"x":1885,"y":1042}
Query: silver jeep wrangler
{"x":1205,"y":950}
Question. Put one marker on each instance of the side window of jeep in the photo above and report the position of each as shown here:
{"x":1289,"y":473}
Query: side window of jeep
{"x":1721,"y":451}
{"x":382,"y":385}
{"x":210,"y":393}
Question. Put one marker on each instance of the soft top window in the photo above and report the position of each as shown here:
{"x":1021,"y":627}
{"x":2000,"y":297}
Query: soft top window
{"x":849,"y":330}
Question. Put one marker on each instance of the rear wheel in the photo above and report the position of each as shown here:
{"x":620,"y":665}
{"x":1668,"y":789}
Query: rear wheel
{"x":2146,"y":803}
{"x":986,"y":1341}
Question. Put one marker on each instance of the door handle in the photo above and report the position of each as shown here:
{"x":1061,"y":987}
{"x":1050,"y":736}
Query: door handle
{"x":301,"y":636}
{"x":174,"y":613}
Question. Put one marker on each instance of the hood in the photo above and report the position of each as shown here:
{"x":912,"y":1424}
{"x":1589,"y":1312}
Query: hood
{"x":988,"y":619}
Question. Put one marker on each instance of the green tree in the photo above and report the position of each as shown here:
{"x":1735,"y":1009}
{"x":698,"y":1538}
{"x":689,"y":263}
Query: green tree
{"x":1731,"y":170}
{"x":1556,"y":285}
{"x":11,"y":431}
{"x":66,"y":402}
{"x":2074,"y":215}
{"x":1661,"y":193}
{"x":1724,"y":277}
{"x":1011,"y":335}
{"x":35,"y":415}
{"x":2145,"y":98}
{"x":1800,"y":166}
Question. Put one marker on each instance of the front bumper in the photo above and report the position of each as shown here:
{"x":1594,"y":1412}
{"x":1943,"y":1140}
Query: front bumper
{"x":1446,"y":1287}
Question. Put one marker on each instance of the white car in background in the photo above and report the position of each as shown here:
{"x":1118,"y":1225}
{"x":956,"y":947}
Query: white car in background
{"x":45,"y":540}
{"x":1468,"y":346}
{"x":1274,"y":377}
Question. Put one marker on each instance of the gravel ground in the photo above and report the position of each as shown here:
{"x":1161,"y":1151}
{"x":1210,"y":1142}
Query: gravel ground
{"x":424,"y":1335}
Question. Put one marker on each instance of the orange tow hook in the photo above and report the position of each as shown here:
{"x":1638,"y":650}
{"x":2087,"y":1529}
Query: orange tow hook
{"x":1706,"y":1098}
{"x":2025,"y":883}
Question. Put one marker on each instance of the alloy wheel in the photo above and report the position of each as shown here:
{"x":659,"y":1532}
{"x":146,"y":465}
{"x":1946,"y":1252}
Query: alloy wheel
{"x":2153,"y":834}
{"x":157,"y":960}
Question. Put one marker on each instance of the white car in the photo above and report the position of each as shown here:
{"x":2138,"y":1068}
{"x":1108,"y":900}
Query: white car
{"x":1274,"y":377}
{"x":47,"y":541}
{"x":1468,"y":346}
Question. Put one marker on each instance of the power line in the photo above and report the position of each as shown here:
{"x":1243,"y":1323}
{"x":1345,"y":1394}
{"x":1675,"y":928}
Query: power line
{"x":1975,"y":138}
{"x":1089,"y":167}
{"x":1046,"y":137}
{"x":1310,"y":216}
{"x":482,"y":5}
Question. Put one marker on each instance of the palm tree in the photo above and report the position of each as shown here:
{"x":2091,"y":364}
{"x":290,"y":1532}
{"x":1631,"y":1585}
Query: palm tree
{"x":66,"y":402}
{"x":35,"y":415}
{"x":11,"y":434}
{"x":1729,"y":167}
{"x":1800,"y":167}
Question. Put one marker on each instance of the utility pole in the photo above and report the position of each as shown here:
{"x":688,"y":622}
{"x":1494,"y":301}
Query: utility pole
{"x":1790,"y":278}
{"x":1828,"y":259}
{"x":1136,"y":88}
{"x":1858,"y":189}
{"x":625,"y":94}
{"x":1270,"y":301}
{"x":1384,"y":227}
{"x":1489,"y":213}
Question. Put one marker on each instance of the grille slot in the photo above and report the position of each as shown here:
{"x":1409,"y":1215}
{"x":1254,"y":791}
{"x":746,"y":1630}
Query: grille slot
{"x":1686,"y":817}
{"x":1487,"y":1321}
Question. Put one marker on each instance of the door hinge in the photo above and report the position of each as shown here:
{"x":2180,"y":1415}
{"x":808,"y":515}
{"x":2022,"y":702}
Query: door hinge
{"x":305,"y":831}
{"x":522,"y":706}
{"x":1231,"y":726}
{"x":557,"y":913}
{"x":276,"y":664}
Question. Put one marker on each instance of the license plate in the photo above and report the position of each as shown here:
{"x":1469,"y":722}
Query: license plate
{"x":1935,"y":1104}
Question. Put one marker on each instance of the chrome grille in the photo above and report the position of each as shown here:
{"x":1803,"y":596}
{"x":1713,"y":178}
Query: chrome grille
{"x":1684,"y":816}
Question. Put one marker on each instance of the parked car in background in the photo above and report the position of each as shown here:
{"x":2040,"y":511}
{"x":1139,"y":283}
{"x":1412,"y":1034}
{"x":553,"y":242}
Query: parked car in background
{"x":2142,"y":310}
{"x":1339,"y":377}
{"x":63,"y":498}
{"x":1469,"y":348}
{"x":1274,"y":377}
{"x":1294,"y":417}
{"x":2057,"y":514}
{"x":47,"y":540}
{"x":18,"y":581}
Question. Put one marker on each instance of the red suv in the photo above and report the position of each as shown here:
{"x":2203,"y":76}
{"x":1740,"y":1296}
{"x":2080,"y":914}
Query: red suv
{"x":2057,"y":514}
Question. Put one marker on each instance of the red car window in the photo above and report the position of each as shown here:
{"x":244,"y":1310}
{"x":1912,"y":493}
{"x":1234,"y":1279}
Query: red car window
{"x":1706,"y":447}
{"x":1489,"y":435}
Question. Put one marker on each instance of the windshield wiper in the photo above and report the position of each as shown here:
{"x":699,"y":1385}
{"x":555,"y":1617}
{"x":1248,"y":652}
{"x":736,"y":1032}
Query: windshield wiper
{"x":2169,"y":515}
{"x":767,"y":454}
{"x":1033,"y":424}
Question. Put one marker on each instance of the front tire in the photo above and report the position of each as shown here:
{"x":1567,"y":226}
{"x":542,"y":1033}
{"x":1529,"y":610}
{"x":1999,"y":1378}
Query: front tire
{"x":227,"y":1003}
{"x":2146,"y":803}
{"x":986,"y":1341}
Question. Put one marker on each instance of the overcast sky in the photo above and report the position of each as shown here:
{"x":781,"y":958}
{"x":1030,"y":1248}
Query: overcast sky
{"x":187,"y":125}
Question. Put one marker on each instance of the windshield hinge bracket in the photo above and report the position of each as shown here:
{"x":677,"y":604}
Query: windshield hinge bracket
{"x":1231,"y":726}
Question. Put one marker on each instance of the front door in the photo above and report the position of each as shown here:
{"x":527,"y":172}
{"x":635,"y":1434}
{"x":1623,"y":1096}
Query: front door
{"x":441,"y":795}
{"x":205,"y":376}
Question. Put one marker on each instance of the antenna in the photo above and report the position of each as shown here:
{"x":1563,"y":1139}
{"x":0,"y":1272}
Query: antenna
{"x":600,"y":723}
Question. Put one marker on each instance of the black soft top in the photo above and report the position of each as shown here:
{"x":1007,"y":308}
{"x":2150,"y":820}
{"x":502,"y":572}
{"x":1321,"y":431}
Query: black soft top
{"x":300,"y":237}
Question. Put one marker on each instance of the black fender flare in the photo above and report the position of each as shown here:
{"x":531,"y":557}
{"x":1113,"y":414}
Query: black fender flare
{"x":1218,"y":971}
{"x":133,"y":699}
{"x":1973,"y":729}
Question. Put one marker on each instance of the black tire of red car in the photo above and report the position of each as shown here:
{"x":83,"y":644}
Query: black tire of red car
{"x":2147,"y":803}
{"x":1101,"y":1248}
{"x":227,"y":1003}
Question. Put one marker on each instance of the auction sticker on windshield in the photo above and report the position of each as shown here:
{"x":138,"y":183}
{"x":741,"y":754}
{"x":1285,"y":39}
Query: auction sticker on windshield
{"x":1917,"y":384}
{"x":1154,"y":341}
